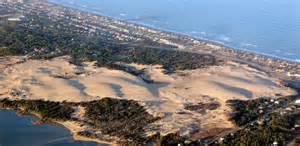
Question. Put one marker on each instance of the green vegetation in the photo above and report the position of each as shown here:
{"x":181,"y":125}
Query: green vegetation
{"x":126,"y":119}
{"x":246,"y":111}
{"x":171,"y":60}
{"x":172,"y":139}
{"x":5,"y":51}
{"x":202,"y":107}
{"x":87,"y":134}
{"x":123,"y":118}
{"x":42,"y":38}
{"x":277,"y":129}
{"x":261,"y":123}
{"x":47,"y":110}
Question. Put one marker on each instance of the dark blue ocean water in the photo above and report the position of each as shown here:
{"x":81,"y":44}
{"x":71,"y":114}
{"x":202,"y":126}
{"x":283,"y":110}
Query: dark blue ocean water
{"x":265,"y":26}
{"x":19,"y":131}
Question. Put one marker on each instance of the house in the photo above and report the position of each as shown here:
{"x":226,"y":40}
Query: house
{"x":297,"y":102}
{"x":275,"y":143}
{"x":289,"y":109}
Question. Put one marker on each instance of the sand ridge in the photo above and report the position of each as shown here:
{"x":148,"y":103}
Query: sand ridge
{"x":58,"y":80}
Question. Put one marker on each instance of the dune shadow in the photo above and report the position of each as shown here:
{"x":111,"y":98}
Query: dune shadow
{"x":152,"y":88}
{"x":2,"y":77}
{"x":31,"y":81}
{"x":117,"y":88}
{"x":238,"y":78}
{"x":77,"y":85}
{"x":44,"y":70}
{"x":266,"y":82}
{"x":239,"y":90}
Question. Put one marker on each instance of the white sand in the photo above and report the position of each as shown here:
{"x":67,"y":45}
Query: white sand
{"x":56,"y":80}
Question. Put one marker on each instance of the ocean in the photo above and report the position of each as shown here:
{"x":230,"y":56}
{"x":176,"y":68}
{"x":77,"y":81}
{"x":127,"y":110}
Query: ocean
{"x":266,"y":26}
{"x":269,"y":27}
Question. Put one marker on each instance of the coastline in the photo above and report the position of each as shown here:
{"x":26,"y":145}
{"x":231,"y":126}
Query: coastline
{"x":69,"y":125}
{"x":176,"y":33}
{"x":189,"y":44}
{"x":287,"y":68}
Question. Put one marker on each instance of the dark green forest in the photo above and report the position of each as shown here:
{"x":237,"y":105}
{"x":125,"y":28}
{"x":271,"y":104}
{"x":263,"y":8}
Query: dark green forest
{"x":45,"y":39}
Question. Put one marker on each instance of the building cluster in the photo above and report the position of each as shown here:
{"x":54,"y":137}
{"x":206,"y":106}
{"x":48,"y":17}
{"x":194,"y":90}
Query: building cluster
{"x":128,"y":33}
{"x":9,"y":18}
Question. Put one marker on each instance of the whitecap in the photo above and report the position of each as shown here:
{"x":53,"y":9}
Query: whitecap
{"x":289,"y":54}
{"x":194,"y":32}
{"x":278,"y":51}
{"x":203,"y":33}
{"x":224,"y":38}
{"x":123,"y":14}
{"x":249,"y":45}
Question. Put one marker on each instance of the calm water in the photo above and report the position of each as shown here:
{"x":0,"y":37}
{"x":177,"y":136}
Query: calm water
{"x":265,"y":26}
{"x":19,"y":131}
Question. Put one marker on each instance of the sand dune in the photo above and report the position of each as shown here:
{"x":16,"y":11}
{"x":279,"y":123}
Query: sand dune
{"x":58,"y":80}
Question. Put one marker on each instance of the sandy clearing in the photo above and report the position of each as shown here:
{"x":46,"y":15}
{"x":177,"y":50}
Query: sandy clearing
{"x":57,"y":80}
{"x":76,"y":127}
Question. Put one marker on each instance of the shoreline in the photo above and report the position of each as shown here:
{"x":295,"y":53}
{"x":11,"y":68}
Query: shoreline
{"x":70,"y":127}
{"x":176,"y":33}
{"x":235,"y":73}
{"x":283,"y":67}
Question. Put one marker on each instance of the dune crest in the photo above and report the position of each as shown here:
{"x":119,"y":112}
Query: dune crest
{"x":167,"y":97}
